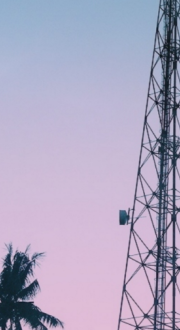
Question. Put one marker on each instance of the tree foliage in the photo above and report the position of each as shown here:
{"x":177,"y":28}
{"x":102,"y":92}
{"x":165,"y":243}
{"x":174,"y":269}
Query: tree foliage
{"x":17,"y":289}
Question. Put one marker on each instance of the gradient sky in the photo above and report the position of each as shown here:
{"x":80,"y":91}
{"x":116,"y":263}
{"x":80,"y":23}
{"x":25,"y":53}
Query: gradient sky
{"x":73,"y":86}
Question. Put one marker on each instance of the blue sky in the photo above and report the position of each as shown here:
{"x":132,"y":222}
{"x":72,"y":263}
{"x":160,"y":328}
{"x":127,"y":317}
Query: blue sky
{"x":73,"y":81}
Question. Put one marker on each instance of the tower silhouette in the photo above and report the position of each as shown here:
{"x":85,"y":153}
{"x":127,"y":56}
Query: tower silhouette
{"x":151,"y":288}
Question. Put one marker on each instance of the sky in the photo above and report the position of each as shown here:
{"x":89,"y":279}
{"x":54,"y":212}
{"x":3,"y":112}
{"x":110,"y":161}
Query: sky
{"x":73,"y":86}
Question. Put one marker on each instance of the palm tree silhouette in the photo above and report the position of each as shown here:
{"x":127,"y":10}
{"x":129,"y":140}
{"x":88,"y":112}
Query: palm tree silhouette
{"x":16,"y":291}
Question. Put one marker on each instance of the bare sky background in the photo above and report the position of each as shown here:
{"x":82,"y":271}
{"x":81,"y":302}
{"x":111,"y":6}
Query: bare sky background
{"x":73,"y":86}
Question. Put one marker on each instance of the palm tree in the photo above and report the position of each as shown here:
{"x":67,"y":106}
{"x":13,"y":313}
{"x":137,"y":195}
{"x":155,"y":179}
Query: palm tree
{"x":17,"y":291}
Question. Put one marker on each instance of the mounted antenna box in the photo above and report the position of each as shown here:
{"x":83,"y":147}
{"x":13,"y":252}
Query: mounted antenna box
{"x":123,"y":217}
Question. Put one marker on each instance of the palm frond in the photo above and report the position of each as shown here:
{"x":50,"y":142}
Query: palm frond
{"x":27,"y":310}
{"x":23,"y":266}
{"x":41,"y":326}
{"x":17,"y":324}
{"x":50,"y":320}
{"x":7,"y":261}
{"x":5,"y":312}
{"x":30,"y":291}
{"x":35,"y":258}
{"x":11,"y":277}
{"x":27,"y":249}
{"x":15,"y":285}
{"x":17,"y":272}
{"x":34,"y":324}
{"x":27,"y":270}
{"x":9,"y":247}
{"x":26,"y":273}
{"x":6,"y":271}
{"x":29,"y":313}
{"x":20,"y":262}
{"x":3,"y":323}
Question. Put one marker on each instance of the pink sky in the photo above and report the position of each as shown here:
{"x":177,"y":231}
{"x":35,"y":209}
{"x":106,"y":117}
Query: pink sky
{"x":74,"y":77}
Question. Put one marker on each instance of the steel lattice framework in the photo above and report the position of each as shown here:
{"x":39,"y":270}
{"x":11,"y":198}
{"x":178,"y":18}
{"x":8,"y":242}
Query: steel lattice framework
{"x":151,"y":289}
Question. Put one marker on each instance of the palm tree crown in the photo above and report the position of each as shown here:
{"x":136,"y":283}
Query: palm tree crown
{"x":16,"y":291}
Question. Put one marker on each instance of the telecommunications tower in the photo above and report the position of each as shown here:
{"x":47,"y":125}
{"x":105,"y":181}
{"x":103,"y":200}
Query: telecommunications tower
{"x":151,"y":288}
